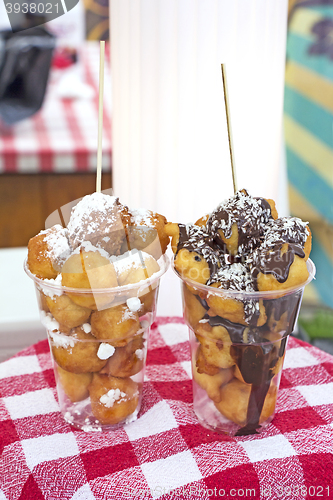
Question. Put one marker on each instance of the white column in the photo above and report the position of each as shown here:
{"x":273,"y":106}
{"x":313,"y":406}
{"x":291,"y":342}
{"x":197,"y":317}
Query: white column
{"x":170,"y":147}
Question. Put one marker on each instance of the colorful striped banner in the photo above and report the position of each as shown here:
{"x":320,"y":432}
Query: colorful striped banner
{"x":308,"y":124}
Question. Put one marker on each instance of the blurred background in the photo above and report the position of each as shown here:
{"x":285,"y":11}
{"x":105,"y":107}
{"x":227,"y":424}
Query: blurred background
{"x":164,"y":132}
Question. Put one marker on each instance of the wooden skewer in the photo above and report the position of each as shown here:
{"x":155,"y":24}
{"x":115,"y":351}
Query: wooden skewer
{"x":100,"y":118}
{"x":227,"y":109}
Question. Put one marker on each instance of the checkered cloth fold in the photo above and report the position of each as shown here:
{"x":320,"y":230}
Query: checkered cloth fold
{"x":165,"y":453}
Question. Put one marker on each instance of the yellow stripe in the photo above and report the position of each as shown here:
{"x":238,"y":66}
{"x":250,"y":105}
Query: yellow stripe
{"x":311,"y":295}
{"x":301,"y":208}
{"x":303,"y":20}
{"x":310,"y":84}
{"x":324,"y":234}
{"x":310,"y":149}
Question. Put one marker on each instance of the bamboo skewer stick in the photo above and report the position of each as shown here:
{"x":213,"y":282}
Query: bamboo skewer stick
{"x":100,"y":118}
{"x":227,"y":109}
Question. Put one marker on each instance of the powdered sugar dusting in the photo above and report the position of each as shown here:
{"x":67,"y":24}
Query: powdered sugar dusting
{"x":61,"y":340}
{"x":50,"y":323}
{"x":53,"y":291}
{"x":98,"y":218}
{"x":141,"y":217}
{"x":87,"y":246}
{"x":111,"y":397}
{"x":56,"y":238}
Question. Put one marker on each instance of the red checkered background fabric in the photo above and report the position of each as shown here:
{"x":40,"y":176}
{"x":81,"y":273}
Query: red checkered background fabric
{"x":62,"y":136}
{"x":165,"y":453}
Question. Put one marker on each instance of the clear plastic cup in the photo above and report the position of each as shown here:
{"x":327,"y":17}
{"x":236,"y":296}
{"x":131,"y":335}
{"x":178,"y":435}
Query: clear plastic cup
{"x":99,"y":352}
{"x":237,"y":367}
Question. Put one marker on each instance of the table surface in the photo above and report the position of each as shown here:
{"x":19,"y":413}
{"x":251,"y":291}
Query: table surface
{"x":62,"y":136}
{"x":166,"y":453}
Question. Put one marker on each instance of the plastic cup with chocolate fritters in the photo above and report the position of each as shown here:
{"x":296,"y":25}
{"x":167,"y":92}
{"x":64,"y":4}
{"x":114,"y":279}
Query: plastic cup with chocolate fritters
{"x":97,"y":283}
{"x":243,"y":271}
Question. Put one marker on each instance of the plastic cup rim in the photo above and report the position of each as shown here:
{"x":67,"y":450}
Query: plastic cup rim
{"x":164,"y":262}
{"x":268,"y":294}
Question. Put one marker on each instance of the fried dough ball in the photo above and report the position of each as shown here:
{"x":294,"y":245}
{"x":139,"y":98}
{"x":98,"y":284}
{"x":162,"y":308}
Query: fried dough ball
{"x":90,"y":270}
{"x":280,"y":261}
{"x":172,"y":231}
{"x":196,"y":257}
{"x":128,"y":360}
{"x":238,"y":223}
{"x":290,"y":230}
{"x":235,"y":278}
{"x":79,"y":353}
{"x":66,"y":312}
{"x":235,"y":400}
{"x":233,"y":309}
{"x":42,"y":301}
{"x":135,"y":266}
{"x":238,"y":375}
{"x":47,"y":251}
{"x":144,"y":303}
{"x":280,"y":324}
{"x":212,"y":383}
{"x":202,"y":221}
{"x":202,"y":366}
{"x":117,"y":324}
{"x":148,"y":302}
{"x":74,"y":385}
{"x":193,"y":307}
{"x":192,"y":266}
{"x":113,"y":399}
{"x":100,"y":219}
{"x":147,"y":232}
{"x":215,"y":344}
{"x":298,"y":272}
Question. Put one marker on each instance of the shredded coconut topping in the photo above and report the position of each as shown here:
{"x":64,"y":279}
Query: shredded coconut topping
{"x":236,"y":277}
{"x":286,"y":229}
{"x":248,"y":213}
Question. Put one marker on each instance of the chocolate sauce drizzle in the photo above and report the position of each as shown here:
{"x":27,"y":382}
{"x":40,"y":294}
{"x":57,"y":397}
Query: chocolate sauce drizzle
{"x":195,"y":239}
{"x":268,"y":257}
{"x":274,"y":262}
{"x":248,"y":213}
{"x":255,"y":359}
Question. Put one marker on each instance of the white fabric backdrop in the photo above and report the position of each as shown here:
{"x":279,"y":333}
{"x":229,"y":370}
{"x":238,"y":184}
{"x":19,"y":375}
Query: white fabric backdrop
{"x":170,"y":147}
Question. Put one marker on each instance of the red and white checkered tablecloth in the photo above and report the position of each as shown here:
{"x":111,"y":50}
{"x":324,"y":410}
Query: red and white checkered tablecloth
{"x":166,"y":453}
{"x":62,"y":136}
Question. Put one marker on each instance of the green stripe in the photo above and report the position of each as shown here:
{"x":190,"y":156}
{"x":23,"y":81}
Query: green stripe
{"x":314,"y":118}
{"x":324,"y":275}
{"x":312,"y":187}
{"x":325,"y":10}
{"x":297,"y":50}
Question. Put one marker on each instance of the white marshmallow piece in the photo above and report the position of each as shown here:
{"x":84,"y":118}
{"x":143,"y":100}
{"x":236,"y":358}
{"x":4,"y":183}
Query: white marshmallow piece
{"x":105,"y":351}
{"x":133,"y":304}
